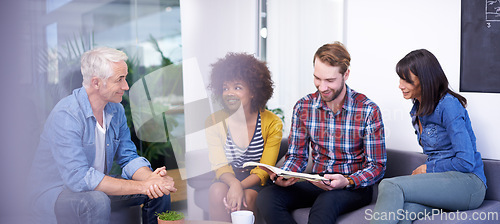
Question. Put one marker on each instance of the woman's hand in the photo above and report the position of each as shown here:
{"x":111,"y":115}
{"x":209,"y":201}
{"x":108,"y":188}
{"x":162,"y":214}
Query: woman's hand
{"x":235,"y":198}
{"x":421,"y":169}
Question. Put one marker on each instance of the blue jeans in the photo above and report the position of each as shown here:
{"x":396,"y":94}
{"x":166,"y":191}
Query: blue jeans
{"x":94,"y":207}
{"x":407,"y":198}
{"x":275,"y":203}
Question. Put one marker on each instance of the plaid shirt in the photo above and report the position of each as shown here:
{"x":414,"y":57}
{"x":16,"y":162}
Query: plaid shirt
{"x":349,"y":142}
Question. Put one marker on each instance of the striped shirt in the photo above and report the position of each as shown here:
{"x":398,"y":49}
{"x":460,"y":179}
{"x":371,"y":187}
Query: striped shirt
{"x":349,"y":142}
{"x":237,"y":155}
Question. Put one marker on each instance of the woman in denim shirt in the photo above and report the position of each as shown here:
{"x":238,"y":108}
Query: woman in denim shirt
{"x":452,"y":178}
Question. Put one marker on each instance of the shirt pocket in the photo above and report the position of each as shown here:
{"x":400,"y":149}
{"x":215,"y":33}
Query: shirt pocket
{"x":116,"y":143}
{"x":114,"y":136}
{"x":429,"y":135}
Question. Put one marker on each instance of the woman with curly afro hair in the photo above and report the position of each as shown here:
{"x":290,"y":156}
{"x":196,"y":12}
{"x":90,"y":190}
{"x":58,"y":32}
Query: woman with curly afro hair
{"x":243,"y":131}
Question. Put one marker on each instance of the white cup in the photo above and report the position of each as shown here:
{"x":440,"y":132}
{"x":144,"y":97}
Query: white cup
{"x":242,"y":217}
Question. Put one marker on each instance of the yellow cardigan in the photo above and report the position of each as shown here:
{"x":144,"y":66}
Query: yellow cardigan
{"x":216,"y":133}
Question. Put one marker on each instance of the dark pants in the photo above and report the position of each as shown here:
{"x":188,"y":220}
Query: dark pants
{"x":94,"y":207}
{"x":276,"y":203}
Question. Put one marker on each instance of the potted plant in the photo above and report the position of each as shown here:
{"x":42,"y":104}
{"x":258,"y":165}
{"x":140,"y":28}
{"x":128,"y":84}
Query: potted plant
{"x":170,"y":217}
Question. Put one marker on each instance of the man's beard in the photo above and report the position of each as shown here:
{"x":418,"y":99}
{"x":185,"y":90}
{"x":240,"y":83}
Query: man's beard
{"x":336,"y":93}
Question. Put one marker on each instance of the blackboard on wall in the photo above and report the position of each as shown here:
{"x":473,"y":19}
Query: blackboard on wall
{"x":480,"y":46}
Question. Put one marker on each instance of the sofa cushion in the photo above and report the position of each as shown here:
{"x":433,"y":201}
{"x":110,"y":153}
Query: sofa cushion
{"x":359,"y":216}
{"x":301,"y":215}
{"x":400,"y":163}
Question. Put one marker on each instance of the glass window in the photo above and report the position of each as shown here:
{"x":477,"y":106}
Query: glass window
{"x":148,"y":31}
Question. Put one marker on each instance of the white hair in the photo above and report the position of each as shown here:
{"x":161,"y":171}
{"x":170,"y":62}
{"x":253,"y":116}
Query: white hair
{"x":97,"y":63}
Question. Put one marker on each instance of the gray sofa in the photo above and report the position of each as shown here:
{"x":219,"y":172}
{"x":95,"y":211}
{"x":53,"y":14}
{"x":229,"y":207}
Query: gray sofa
{"x":398,"y":163}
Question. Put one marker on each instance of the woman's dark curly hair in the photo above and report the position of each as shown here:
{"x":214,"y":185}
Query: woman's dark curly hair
{"x":243,"y":67}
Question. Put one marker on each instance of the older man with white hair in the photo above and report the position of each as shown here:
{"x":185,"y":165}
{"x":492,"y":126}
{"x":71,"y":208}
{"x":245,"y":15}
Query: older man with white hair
{"x":84,"y":134}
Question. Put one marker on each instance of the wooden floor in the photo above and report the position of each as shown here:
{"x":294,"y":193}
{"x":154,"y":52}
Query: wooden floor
{"x":180,"y":184}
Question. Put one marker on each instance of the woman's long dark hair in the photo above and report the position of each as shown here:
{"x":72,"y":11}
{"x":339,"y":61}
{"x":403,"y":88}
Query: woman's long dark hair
{"x":433,"y":81}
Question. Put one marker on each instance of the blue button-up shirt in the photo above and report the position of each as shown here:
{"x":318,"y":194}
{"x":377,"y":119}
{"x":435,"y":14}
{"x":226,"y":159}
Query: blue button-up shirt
{"x":448,"y":140}
{"x":67,"y":149}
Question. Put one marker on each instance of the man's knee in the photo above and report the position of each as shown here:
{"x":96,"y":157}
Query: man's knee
{"x":98,"y":199}
{"x":79,"y":206}
{"x":94,"y":203}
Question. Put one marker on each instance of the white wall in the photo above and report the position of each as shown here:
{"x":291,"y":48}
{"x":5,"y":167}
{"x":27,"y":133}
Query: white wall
{"x":212,"y":28}
{"x":297,"y":29}
{"x":379,"y":33}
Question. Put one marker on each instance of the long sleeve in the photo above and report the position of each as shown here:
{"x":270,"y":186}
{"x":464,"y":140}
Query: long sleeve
{"x":272,"y":134}
{"x":375,"y":154}
{"x":298,"y":142}
{"x":462,"y":143}
{"x":65,"y":133}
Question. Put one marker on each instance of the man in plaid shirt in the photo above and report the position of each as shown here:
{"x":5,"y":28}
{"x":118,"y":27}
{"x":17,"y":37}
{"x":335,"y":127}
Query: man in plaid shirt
{"x":345,"y":132}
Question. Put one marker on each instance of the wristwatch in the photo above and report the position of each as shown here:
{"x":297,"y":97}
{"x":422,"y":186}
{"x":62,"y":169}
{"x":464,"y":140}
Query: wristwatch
{"x":351,"y":182}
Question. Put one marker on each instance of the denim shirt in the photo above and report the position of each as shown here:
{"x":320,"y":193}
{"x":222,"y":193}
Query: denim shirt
{"x":66,"y":152}
{"x":447,"y":138}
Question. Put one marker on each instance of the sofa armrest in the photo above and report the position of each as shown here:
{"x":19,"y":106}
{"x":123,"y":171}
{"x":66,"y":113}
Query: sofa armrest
{"x":491,"y":170}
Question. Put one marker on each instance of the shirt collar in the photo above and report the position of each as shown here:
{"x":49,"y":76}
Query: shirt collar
{"x":413,"y":111}
{"x":83,"y":100}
